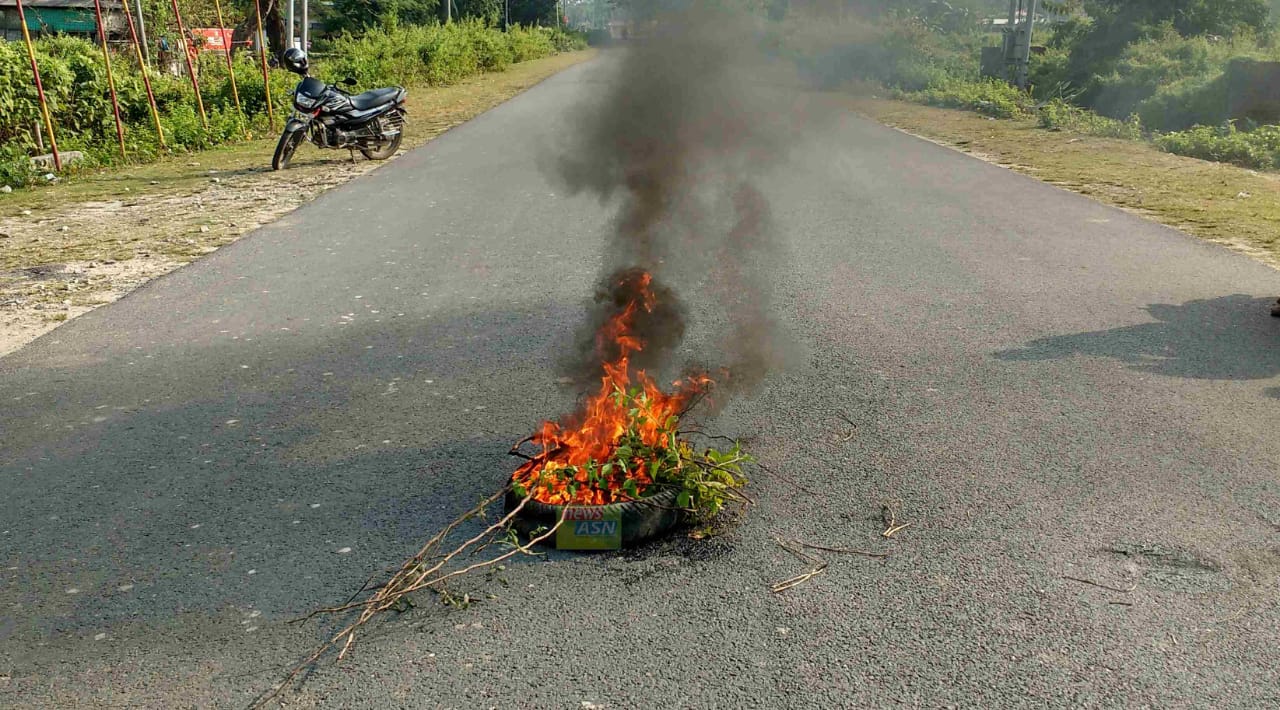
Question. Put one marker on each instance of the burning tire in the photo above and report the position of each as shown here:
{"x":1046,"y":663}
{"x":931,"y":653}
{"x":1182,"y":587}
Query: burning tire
{"x":640,"y":519}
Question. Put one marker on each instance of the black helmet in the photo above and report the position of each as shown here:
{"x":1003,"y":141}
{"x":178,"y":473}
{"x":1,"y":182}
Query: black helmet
{"x":295,"y":60}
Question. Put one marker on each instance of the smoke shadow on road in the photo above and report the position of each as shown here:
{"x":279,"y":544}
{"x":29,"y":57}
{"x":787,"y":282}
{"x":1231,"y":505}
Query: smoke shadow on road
{"x":276,"y":492}
{"x":1226,"y":338}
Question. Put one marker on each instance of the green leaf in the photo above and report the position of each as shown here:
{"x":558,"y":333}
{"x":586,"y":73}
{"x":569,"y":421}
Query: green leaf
{"x":684,"y":500}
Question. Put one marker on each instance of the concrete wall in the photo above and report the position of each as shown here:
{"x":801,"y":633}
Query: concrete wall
{"x":1253,"y":91}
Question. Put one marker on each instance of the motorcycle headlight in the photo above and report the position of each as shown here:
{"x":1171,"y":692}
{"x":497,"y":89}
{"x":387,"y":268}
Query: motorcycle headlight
{"x":303,"y":101}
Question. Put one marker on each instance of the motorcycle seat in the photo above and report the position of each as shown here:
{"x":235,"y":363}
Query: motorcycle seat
{"x":375,"y":98}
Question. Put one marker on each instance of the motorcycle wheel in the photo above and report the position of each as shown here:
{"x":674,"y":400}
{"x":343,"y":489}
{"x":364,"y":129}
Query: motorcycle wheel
{"x":285,"y":149}
{"x":386,"y":150}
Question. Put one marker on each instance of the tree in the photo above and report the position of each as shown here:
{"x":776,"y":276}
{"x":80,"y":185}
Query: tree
{"x":355,"y":15}
{"x":488,"y":10}
{"x":1115,"y":24}
{"x":533,"y":12}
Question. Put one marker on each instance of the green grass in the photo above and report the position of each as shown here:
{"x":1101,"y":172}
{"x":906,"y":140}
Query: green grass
{"x":989,"y":98}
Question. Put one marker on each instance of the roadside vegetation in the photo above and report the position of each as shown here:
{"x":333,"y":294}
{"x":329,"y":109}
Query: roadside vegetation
{"x":70,"y":247}
{"x":75,"y":81}
{"x":1154,"y":70}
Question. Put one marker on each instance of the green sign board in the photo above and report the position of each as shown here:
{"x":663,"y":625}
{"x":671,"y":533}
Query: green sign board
{"x":590,"y":528}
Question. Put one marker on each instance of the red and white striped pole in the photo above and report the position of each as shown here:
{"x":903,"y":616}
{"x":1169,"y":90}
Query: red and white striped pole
{"x":231,"y":70}
{"x":145,"y":71}
{"x":262,"y":54}
{"x":111,"y":80}
{"x":191,"y":69}
{"x":44,"y":103}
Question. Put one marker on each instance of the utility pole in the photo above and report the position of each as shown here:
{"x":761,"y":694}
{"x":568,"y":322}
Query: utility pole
{"x":142,"y":32}
{"x":448,"y":11}
{"x":506,"y":16}
{"x":1017,"y":40}
{"x":306,"y":26}
{"x":289,"y":36}
{"x":1024,"y":58}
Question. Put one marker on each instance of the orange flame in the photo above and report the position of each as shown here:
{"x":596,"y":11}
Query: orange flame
{"x":558,"y":475}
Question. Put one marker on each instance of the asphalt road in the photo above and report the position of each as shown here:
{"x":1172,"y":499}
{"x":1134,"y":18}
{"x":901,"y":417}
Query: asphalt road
{"x":1044,"y":387}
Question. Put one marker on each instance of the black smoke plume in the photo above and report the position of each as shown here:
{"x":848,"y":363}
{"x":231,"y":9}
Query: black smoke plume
{"x":691,"y":117}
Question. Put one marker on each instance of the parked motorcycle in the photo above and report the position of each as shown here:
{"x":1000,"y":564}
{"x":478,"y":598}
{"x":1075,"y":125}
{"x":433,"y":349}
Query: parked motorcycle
{"x":371,"y":122}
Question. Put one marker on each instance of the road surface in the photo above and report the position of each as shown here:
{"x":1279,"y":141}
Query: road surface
{"x":1049,"y":390}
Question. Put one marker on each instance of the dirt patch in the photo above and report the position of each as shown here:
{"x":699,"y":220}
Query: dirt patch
{"x":35,"y":301}
{"x":67,"y":249}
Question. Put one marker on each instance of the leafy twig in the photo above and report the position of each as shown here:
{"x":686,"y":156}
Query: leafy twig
{"x":714,"y":437}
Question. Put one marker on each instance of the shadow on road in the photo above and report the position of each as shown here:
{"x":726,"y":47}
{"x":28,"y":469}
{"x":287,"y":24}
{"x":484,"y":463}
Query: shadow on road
{"x":1227,"y":338}
{"x":267,"y":478}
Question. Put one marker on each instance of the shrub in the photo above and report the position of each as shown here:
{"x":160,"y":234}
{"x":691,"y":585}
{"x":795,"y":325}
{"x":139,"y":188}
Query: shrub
{"x":988,"y":97}
{"x":529,"y":43}
{"x":15,"y":166}
{"x":1259,"y":148}
{"x":1171,"y":81}
{"x":1058,"y":115}
{"x":1186,"y":103}
{"x":75,"y":83}
{"x":568,"y":40}
{"x":493,"y":51}
{"x":452,"y":56}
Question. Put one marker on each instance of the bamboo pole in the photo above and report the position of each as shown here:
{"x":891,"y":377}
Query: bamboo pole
{"x":191,"y":69}
{"x":231,"y":70}
{"x":145,"y":70}
{"x":44,"y":103}
{"x":111,"y":80}
{"x":262,"y":53}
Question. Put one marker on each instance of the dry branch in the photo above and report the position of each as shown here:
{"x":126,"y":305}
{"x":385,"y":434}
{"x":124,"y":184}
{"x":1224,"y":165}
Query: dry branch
{"x":895,"y":530}
{"x":1100,"y":585}
{"x":423,"y":570}
{"x":853,"y":428}
{"x":845,"y":550}
{"x":890,"y":519}
{"x":818,"y":567}
{"x":785,"y":478}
